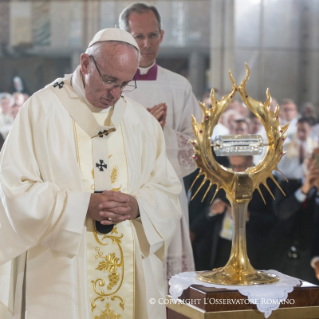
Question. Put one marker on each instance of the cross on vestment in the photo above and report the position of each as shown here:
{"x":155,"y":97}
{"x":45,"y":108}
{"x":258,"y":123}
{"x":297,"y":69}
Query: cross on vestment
{"x":60,"y":85}
{"x":101,"y":165}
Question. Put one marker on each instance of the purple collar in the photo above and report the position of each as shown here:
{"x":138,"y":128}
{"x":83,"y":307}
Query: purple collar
{"x":151,"y":75}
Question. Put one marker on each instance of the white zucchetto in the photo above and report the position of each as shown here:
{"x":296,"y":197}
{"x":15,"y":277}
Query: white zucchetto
{"x":114,"y":34}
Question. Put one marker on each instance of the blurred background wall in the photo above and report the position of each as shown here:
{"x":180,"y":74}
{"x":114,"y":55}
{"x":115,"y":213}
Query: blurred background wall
{"x":279,"y":39}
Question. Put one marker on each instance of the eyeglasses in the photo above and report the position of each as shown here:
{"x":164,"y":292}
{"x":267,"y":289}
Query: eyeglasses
{"x":124,"y":87}
{"x":151,"y":36}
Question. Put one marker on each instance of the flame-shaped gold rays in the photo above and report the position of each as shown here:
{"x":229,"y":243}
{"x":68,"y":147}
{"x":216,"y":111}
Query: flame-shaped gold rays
{"x":225,"y":177}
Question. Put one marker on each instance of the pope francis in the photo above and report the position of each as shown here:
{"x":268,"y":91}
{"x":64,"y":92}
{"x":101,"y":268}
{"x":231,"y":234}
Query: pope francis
{"x":89,"y":201}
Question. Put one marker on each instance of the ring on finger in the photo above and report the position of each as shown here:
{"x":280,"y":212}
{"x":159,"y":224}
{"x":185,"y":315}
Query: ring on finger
{"x":110,"y":219}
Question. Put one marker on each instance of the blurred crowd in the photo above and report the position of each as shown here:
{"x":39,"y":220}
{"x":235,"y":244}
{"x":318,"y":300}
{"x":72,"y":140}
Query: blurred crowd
{"x":9,"y":107}
{"x":282,"y":234}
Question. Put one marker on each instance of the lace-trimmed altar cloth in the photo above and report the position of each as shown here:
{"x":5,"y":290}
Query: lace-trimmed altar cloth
{"x":266,"y":297}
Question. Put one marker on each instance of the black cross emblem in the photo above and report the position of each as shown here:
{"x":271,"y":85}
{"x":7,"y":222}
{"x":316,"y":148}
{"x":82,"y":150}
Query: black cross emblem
{"x":60,"y":85}
{"x":105,"y":132}
{"x":101,"y":165}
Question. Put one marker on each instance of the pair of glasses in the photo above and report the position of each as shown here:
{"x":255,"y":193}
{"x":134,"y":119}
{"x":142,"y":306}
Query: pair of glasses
{"x":124,"y":87}
{"x":151,"y":36}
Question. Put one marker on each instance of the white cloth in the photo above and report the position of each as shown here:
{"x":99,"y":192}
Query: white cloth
{"x":290,"y":164}
{"x":219,"y":129}
{"x":176,"y":92}
{"x":43,"y":207}
{"x":145,"y":70}
{"x":266,"y":297}
{"x":292,"y":129}
{"x":315,"y":133}
{"x":6,"y":122}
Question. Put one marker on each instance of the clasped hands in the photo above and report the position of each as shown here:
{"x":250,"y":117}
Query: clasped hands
{"x":159,"y":111}
{"x":312,"y":176}
{"x":112,"y":207}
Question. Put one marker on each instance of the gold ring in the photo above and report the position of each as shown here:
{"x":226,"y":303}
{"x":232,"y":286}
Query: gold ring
{"x":110,"y":219}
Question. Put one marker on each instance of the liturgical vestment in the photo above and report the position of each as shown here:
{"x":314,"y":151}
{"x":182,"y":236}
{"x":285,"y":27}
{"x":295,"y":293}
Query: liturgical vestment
{"x":159,"y":85}
{"x":53,"y":261}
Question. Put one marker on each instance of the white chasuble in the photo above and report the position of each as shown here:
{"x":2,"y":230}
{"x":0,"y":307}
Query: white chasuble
{"x":46,"y":183}
{"x":174,"y":90}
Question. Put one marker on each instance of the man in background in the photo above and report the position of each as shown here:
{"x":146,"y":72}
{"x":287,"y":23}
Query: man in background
{"x":291,"y":248}
{"x":169,"y":98}
{"x":289,"y":114}
{"x":298,"y":148}
{"x":212,"y":229}
{"x":241,"y":126}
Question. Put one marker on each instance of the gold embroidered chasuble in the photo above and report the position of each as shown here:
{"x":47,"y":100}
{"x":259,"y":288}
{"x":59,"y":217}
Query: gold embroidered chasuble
{"x":110,"y":257}
{"x":52,"y":206}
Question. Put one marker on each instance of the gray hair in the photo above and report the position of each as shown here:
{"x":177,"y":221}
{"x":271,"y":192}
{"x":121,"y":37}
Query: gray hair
{"x":6,"y":96}
{"x":137,"y":7}
{"x":288,"y":101}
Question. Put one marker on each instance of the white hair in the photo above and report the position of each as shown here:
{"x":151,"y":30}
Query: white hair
{"x":7,"y":96}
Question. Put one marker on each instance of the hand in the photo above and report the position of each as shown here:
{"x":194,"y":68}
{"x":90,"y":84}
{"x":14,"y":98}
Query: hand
{"x":159,"y":111}
{"x":312,"y":177}
{"x":115,"y":205}
{"x":218,"y":207}
{"x":316,"y":266}
{"x":192,"y":236}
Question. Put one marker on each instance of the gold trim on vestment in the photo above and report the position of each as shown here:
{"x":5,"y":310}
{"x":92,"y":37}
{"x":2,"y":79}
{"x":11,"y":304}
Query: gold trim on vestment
{"x":76,"y":144}
{"x":111,"y":263}
{"x":108,"y":313}
{"x":127,"y":190}
{"x":114,"y":174}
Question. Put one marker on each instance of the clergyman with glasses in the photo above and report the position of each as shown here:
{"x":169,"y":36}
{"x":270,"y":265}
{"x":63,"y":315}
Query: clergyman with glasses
{"x":169,"y":98}
{"x":89,"y":198}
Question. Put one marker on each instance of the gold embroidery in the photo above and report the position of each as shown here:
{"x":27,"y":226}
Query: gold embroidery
{"x":114,"y":174}
{"x":77,"y":144}
{"x":127,"y":188}
{"x":114,"y":238}
{"x":122,"y":303}
{"x":107,"y":285}
{"x":114,"y":230}
{"x":127,"y":191}
{"x":108,"y":313}
{"x":109,"y":263}
{"x":114,"y":277}
{"x":93,"y":187}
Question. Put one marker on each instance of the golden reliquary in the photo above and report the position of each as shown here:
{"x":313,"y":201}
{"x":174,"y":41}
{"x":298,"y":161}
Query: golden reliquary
{"x":238,"y":187}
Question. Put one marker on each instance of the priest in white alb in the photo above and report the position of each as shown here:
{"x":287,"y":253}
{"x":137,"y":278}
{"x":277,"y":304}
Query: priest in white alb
{"x":89,"y":200}
{"x":169,"y":98}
